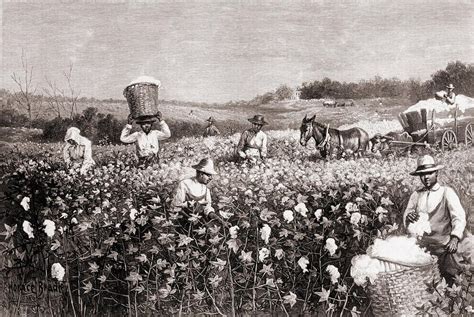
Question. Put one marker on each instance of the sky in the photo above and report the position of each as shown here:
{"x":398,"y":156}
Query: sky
{"x":217,"y":51}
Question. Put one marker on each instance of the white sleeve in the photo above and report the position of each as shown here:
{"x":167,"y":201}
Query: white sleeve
{"x":179,"y":199}
{"x":164,"y":132}
{"x":411,"y":206}
{"x":457,"y":213}
{"x":126,"y":137}
{"x":263,"y":150}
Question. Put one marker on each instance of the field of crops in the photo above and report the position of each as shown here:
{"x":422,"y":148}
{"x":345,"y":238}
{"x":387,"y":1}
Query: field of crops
{"x":293,"y":225}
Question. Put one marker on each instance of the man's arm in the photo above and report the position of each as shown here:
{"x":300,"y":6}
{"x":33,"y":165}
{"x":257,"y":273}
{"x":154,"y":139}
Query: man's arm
{"x":66,"y":156}
{"x":263,"y":150}
{"x":179,"y":199}
{"x":410,"y":209}
{"x":126,"y":137}
{"x":457,"y":213}
{"x":164,"y":131}
{"x":215,"y":130}
{"x":87,"y":161}
{"x":451,"y":99}
{"x":208,"y":208}
{"x":240,"y":146}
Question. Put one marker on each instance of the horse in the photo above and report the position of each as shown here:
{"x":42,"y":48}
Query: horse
{"x":328,"y":140}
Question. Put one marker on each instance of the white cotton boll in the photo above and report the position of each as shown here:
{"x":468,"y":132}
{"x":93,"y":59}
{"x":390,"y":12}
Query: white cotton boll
{"x":25,"y":203}
{"x":265,"y":233}
{"x":303,"y":263}
{"x":355,"y":218}
{"x":333,"y":273}
{"x":288,"y":216}
{"x":233,"y":231}
{"x":318,"y":213}
{"x":364,"y":267}
{"x":420,"y":227}
{"x":57,"y":271}
{"x":331,"y":246}
{"x":399,"y":249}
{"x":28,"y":229}
{"x":133,"y":213}
{"x":301,"y":209}
{"x":49,"y":228}
{"x":263,"y":254}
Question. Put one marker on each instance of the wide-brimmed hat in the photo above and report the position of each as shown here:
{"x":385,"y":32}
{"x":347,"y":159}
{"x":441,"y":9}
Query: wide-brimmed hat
{"x":258,"y":119}
{"x":426,"y":164}
{"x":211,"y":120}
{"x":206,"y":165}
{"x":450,"y":86}
{"x":144,"y":120}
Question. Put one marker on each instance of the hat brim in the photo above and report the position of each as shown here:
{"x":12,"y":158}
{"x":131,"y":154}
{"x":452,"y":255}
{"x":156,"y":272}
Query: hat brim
{"x":258,"y":122}
{"x":207,"y":171}
{"x":143,"y":121}
{"x":427,"y":170}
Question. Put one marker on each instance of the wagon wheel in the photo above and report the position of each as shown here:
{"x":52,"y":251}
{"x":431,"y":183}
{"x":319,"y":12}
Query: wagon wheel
{"x":469,"y":135}
{"x":449,"y":140}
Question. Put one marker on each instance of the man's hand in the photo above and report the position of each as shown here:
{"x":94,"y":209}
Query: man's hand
{"x":452,"y":245}
{"x":159,"y":116}
{"x":130,"y":119}
{"x":413,"y":217}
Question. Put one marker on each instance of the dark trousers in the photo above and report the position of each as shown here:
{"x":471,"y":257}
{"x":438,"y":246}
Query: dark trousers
{"x":146,"y":161}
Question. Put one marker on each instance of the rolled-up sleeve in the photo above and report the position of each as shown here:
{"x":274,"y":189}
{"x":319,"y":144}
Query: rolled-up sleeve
{"x":164,"y":132}
{"x":411,"y":206}
{"x":457,"y":213}
{"x":126,"y":137}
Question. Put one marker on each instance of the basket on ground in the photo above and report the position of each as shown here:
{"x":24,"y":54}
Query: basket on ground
{"x":399,"y":292}
{"x":142,"y":99}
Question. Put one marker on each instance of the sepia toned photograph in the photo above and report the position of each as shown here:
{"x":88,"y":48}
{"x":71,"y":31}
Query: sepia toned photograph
{"x":237,"y":158}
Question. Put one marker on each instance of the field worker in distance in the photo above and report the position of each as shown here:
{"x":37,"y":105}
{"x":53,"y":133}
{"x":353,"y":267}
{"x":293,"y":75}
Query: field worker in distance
{"x":448,"y":239}
{"x":78,"y":150}
{"x":147,"y":140}
{"x":211,"y":129}
{"x":193,"y":195}
{"x":253,"y":142}
{"x":450,"y":96}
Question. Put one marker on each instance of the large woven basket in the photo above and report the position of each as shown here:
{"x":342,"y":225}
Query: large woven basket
{"x":398,"y":293}
{"x":142,"y":100}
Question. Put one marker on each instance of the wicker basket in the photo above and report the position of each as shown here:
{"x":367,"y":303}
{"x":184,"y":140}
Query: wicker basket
{"x":398,"y":293}
{"x":142,"y":100}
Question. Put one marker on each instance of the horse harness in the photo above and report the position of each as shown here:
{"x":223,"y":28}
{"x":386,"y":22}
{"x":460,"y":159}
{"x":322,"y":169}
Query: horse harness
{"x":326,"y":142}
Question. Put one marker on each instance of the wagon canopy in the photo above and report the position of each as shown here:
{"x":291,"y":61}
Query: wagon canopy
{"x":419,"y":116}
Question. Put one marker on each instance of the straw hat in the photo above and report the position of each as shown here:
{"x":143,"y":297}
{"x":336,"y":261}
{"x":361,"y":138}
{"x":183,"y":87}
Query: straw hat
{"x":206,"y":165}
{"x":258,"y":119}
{"x":450,"y":86}
{"x":211,"y":120}
{"x":426,"y":164}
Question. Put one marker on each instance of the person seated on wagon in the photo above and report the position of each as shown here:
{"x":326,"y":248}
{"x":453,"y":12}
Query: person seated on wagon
{"x":253,"y":142}
{"x":78,"y":150}
{"x":450,"y":96}
{"x":449,"y":239}
{"x":146,"y":140}
{"x":192,"y":194}
{"x":211,"y":129}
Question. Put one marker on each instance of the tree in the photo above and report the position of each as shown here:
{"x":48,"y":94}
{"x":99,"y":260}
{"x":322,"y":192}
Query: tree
{"x":26,"y":97}
{"x":284,"y":92}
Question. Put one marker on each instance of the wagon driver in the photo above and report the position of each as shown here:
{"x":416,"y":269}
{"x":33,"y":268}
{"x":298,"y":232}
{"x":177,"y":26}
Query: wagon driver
{"x":449,"y":239}
{"x":450,"y":96}
{"x":253,"y":142}
{"x":146,"y":140}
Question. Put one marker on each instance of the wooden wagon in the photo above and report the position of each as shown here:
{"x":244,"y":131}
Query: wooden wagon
{"x":426,"y":131}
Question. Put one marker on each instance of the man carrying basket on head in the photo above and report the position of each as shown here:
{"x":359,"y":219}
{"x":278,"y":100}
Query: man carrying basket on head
{"x":448,"y":239}
{"x":142,"y":98}
{"x":211,"y":129}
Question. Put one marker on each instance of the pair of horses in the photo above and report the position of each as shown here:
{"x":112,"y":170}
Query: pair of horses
{"x":334,"y":142}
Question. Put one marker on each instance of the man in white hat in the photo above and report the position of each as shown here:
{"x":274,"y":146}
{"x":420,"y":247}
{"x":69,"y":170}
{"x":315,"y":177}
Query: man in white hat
{"x":450,"y":97}
{"x":78,"y":150}
{"x":211,"y":129}
{"x":253,"y":142}
{"x":448,"y":239}
{"x":146,"y":140}
{"x":193,"y":192}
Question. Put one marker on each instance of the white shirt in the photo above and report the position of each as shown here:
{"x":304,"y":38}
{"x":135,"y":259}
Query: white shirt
{"x":196,"y":189}
{"x":252,"y":145}
{"x":147,"y":144}
{"x":427,"y":200}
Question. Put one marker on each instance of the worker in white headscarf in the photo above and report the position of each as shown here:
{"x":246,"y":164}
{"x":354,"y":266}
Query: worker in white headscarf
{"x":78,"y":150}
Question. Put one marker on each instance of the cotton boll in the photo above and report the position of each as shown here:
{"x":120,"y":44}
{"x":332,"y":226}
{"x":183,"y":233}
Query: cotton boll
{"x":288,"y":216}
{"x":49,"y":228}
{"x":364,"y":267}
{"x":331,"y":246}
{"x":233,"y":231}
{"x":333,"y":273}
{"x":265,"y":233}
{"x":28,"y":229}
{"x":57,"y":271}
{"x":420,"y":227}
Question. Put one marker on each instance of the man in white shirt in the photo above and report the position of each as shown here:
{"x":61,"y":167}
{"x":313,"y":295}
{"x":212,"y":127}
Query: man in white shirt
{"x":147,"y":140}
{"x":448,"y":239}
{"x":253,"y":142}
{"x":193,"y":196}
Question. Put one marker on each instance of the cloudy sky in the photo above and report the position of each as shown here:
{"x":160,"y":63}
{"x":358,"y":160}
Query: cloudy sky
{"x":218,"y":51}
